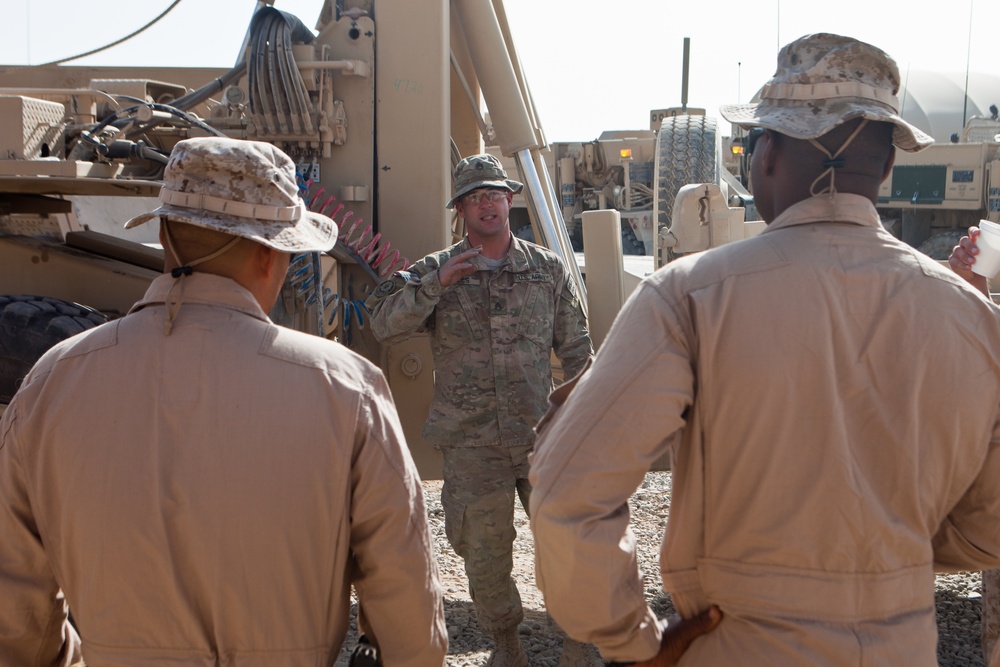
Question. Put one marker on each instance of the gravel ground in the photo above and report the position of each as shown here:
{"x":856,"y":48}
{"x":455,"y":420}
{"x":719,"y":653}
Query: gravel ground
{"x":957,"y":595}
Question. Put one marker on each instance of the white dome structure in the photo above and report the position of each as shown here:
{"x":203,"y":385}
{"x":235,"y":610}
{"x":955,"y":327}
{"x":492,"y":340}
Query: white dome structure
{"x":934,"y":101}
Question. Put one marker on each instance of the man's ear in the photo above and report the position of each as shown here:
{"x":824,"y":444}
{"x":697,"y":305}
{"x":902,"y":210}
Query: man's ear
{"x":769,"y":152}
{"x":265,"y":257}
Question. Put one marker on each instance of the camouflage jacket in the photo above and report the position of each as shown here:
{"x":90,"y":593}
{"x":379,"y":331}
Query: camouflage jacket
{"x":492,"y":335}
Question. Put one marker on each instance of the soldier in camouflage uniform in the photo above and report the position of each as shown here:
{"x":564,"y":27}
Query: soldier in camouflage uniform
{"x":495,"y":307}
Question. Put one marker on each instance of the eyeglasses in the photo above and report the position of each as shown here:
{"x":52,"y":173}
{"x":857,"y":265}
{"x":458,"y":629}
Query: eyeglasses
{"x":751,"y":141}
{"x":492,"y":196}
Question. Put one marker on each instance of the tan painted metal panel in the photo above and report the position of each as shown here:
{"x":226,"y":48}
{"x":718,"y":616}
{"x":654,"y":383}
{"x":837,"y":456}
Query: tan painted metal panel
{"x":414,"y":125}
{"x":33,"y":266}
{"x":409,"y":368}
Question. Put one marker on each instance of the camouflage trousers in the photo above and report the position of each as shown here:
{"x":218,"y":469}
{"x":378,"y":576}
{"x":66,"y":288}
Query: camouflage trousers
{"x":478,"y":501}
{"x":991,"y":617}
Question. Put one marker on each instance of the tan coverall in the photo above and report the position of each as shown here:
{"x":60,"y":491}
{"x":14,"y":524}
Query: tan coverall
{"x":208,"y":497}
{"x":830,"y":399}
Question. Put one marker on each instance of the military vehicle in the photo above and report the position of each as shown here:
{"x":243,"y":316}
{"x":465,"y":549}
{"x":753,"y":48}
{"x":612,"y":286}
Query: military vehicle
{"x":929,"y":201}
{"x":631,"y":170}
{"x":639,"y":172}
{"x":373,"y":118}
{"x":932,"y":197}
{"x":374,"y":131}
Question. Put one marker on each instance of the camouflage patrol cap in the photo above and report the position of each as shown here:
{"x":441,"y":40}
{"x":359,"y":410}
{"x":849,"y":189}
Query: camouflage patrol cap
{"x":823,"y":81}
{"x":481,"y":171}
{"x":243,"y":188}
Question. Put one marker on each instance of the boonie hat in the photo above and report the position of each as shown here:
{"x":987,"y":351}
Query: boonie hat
{"x":243,"y":188}
{"x":481,"y":171}
{"x":823,"y":81}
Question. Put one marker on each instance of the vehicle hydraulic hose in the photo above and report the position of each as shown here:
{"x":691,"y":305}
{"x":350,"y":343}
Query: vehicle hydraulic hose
{"x":122,"y":117}
{"x":300,"y":34}
{"x":122,"y":149}
{"x":217,"y":85}
{"x":172,"y":110}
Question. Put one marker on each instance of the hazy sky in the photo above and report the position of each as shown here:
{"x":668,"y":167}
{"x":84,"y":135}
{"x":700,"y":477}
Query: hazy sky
{"x":591,"y":66}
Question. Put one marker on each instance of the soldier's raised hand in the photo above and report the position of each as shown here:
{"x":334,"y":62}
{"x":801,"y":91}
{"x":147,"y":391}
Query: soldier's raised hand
{"x":458,"y":267}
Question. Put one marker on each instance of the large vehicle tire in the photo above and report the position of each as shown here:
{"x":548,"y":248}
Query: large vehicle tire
{"x":631,"y":245}
{"x":687,"y":151}
{"x":30,"y":325}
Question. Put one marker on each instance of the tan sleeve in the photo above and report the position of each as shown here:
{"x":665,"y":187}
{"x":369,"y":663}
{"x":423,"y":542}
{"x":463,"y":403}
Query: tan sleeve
{"x":34,"y":626}
{"x":589,"y":459}
{"x":969,"y":539}
{"x":396,"y":577}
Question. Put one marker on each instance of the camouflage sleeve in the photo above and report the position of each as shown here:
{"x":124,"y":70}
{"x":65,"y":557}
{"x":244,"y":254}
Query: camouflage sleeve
{"x":571,"y":338}
{"x":403,"y":304}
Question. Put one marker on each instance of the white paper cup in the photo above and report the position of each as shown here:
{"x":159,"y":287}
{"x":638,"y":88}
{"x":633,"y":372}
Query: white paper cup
{"x":988,"y":260}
